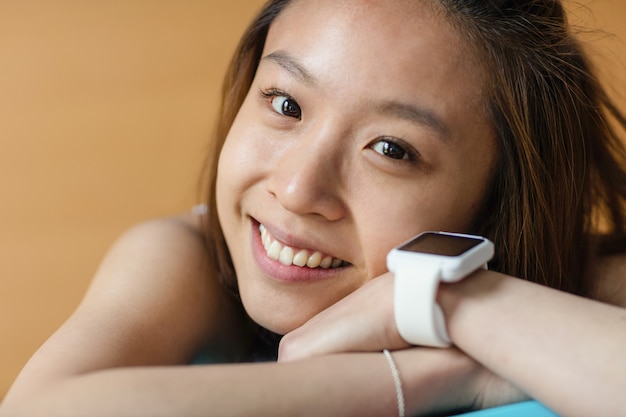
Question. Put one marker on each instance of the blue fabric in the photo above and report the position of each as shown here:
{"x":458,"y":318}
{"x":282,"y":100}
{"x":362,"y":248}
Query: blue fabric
{"x":524,"y":409}
{"x":204,"y":358}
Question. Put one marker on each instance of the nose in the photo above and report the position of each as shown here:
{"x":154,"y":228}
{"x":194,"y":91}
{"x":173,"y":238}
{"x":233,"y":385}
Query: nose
{"x":307,"y":180}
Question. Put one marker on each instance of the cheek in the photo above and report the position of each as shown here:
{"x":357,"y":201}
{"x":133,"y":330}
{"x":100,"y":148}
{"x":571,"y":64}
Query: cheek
{"x":224,"y":183}
{"x":237,"y":160}
{"x":447,"y":202}
{"x":248,"y":150}
{"x":232,"y":173}
{"x":393,"y":217}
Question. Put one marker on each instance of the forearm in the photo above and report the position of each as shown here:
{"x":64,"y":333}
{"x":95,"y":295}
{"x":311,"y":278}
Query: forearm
{"x":438,"y":381}
{"x":349,"y":384}
{"x":334,"y":385}
{"x":553,"y":345}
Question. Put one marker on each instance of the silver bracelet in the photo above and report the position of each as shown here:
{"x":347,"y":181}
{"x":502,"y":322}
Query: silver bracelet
{"x":397,"y":382}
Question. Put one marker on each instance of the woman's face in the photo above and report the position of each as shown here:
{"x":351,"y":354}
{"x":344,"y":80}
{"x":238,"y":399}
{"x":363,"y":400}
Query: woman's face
{"x":364,"y":126}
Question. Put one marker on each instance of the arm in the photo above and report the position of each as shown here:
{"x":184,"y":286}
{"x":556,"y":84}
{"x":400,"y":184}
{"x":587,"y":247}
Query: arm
{"x":332,"y":385}
{"x":364,"y":321}
{"x":152,"y":305}
{"x":563,"y":350}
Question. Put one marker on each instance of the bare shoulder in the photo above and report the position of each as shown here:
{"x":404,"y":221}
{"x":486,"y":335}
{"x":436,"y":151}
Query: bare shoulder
{"x":169,"y":248}
{"x":158,"y":277}
{"x":153,"y":301}
{"x":611,"y":274}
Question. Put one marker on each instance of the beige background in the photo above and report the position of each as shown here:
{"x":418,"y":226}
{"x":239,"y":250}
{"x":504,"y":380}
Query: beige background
{"x":105,"y":107}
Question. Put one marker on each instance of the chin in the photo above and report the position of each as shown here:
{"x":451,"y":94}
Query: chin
{"x":284,"y":328}
{"x":279,"y":323}
{"x":279,"y":316}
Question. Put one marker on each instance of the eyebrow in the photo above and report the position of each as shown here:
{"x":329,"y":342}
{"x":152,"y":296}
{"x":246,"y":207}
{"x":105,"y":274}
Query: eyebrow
{"x":414,"y":114}
{"x":392,"y":108}
{"x":291,"y":65}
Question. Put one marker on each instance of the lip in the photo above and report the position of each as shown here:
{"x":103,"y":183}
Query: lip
{"x":286,"y":273}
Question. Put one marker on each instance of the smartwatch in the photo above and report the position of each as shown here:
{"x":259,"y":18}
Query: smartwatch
{"x":418,"y":266}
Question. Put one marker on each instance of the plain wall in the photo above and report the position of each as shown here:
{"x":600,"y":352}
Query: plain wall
{"x":105,"y":111}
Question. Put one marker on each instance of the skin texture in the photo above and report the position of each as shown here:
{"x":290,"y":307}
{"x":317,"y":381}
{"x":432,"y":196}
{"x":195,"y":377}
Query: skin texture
{"x":317,"y":178}
{"x":319,"y":181}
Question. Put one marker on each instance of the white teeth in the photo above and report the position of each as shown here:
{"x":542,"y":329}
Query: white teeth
{"x":274,"y":249}
{"x":327,"y":261}
{"x":314,"y":260}
{"x":286,"y":256}
{"x":301,"y":258}
{"x":290,"y":256}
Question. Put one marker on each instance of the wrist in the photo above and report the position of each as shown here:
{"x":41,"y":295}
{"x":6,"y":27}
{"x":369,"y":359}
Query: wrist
{"x":419,"y":266}
{"x":456,"y":299}
{"x":438,"y":381}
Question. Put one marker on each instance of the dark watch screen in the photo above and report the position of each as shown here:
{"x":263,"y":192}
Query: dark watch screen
{"x":441,"y":244}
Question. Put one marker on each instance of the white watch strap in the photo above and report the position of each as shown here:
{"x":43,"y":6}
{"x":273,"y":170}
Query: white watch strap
{"x":419,"y":318}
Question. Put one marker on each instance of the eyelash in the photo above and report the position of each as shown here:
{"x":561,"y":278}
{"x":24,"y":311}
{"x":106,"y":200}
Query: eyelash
{"x":411,"y":154}
{"x":272,"y":93}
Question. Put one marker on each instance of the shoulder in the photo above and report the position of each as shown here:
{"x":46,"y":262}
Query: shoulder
{"x":153,"y":301}
{"x":155,"y":294}
{"x":184,"y":227}
{"x":158,"y":243}
{"x":160,"y":251}
{"x":610,"y":275}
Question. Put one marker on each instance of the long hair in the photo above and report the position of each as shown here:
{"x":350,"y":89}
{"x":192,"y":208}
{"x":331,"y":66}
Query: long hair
{"x":559,"y":193}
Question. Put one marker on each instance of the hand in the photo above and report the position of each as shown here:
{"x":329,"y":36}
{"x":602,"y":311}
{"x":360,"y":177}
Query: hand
{"x":364,"y":322}
{"x":361,"y":322}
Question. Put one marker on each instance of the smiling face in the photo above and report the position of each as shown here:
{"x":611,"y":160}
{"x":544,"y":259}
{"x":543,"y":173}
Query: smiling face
{"x":364,"y":126}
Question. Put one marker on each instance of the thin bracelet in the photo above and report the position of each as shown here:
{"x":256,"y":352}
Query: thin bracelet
{"x":397,"y":382}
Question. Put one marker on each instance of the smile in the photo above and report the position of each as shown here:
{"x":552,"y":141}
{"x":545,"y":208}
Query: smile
{"x":287,"y":255}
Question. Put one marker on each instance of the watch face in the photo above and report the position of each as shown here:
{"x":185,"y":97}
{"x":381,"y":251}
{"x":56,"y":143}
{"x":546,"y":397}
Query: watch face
{"x":441,"y":244}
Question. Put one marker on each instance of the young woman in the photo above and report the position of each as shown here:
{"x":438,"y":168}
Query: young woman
{"x":347,"y":128}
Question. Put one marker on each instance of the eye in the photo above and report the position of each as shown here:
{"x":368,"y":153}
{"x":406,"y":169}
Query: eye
{"x":283,"y":103}
{"x":392,"y":150}
{"x":286,"y":106}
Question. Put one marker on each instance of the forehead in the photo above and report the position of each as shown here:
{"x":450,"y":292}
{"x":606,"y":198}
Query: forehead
{"x":387,"y":27}
{"x":391,"y":49}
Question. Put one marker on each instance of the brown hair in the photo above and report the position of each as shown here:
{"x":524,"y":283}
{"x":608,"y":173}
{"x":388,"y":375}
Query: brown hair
{"x":561,"y":178}
{"x":562,"y":165}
